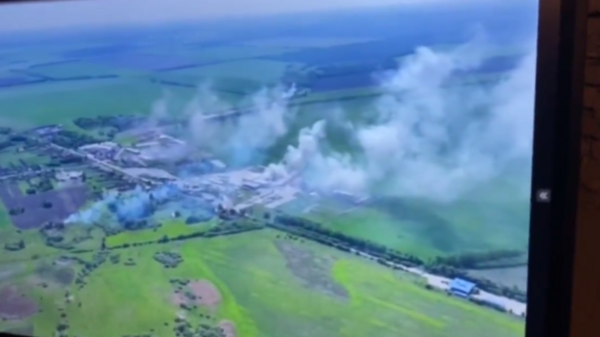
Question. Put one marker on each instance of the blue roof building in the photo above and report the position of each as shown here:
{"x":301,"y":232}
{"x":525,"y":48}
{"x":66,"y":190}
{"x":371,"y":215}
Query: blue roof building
{"x":462,"y":288}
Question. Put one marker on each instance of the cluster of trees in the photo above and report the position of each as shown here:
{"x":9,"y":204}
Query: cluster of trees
{"x":115,"y":259}
{"x":133,"y":225}
{"x":168,"y":259}
{"x":193,"y":219}
{"x":315,"y":231}
{"x":88,"y":267}
{"x":5,"y":145}
{"x":73,"y":139}
{"x":227,"y":228}
{"x":43,"y":185}
{"x":231,"y":229}
{"x":184,"y":329}
{"x":480,"y":260}
{"x":119,"y":122}
{"x":345,"y":69}
{"x":18,"y":138}
{"x":135,"y":244}
{"x":14,"y":246}
{"x":391,"y":258}
{"x":231,"y":213}
{"x":16,"y":211}
{"x":51,"y":225}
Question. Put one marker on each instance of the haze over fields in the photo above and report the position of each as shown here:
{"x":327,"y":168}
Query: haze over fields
{"x":210,"y":168}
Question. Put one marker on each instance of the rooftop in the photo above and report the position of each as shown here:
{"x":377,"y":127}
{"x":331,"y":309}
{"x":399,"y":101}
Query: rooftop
{"x":462,"y":286}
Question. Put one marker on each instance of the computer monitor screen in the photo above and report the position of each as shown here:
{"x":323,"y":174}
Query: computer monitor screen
{"x":261,"y":168}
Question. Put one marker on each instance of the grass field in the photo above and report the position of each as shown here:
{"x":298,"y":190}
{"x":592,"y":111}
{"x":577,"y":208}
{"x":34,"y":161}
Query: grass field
{"x":265,"y":298}
{"x":305,"y":42}
{"x":262,"y":71}
{"x":201,"y":54}
{"x":66,"y":101}
{"x":169,"y":229}
{"x":133,"y":92}
{"x":34,"y":243}
{"x":80,"y":68}
{"x":427,"y":230}
{"x":12,"y":155}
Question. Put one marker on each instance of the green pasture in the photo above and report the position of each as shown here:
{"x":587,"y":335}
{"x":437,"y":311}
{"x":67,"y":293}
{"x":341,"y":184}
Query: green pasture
{"x":134,"y":92}
{"x":81,"y":68}
{"x":305,"y":42}
{"x":34,"y":242}
{"x":264,"y":299}
{"x":202,"y":55}
{"x":169,"y":229}
{"x":4,"y":217}
{"x":264,"y":71}
{"x":425,"y":229}
{"x":238,"y":86}
{"x":14,"y":155}
{"x":65,"y":101}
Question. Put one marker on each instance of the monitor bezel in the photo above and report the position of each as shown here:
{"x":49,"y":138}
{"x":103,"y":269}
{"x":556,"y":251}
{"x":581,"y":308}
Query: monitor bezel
{"x":556,"y":159}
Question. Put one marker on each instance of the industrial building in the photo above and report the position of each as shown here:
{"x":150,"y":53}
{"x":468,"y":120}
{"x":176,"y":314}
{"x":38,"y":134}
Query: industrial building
{"x":462,"y":288}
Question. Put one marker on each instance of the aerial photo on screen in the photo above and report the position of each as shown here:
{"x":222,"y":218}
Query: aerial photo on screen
{"x":265,"y":168}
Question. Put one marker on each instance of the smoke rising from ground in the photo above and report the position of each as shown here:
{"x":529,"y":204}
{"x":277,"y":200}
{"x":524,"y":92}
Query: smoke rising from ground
{"x":425,"y":137}
{"x":431,"y":140}
{"x":134,"y":205}
{"x":431,"y":137}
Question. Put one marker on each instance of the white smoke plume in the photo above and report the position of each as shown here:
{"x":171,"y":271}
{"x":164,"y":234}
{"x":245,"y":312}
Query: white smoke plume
{"x":431,"y":140}
{"x":243,"y":137}
{"x":317,"y":169}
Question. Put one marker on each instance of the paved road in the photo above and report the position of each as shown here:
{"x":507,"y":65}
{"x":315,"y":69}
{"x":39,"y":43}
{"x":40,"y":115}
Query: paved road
{"x":443,"y":283}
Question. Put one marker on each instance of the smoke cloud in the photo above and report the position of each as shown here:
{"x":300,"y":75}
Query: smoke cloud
{"x":134,"y":205}
{"x":431,"y":139}
{"x":426,"y":137}
{"x":240,"y":140}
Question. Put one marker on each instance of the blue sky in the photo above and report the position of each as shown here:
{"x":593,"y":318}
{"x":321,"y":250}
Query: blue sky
{"x":67,"y":14}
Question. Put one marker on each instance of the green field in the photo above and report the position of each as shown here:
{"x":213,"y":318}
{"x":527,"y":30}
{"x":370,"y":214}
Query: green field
{"x":66,"y":101}
{"x":34,"y":243}
{"x":170,"y":229}
{"x":77,"y":69}
{"x":426,"y":229}
{"x":226,"y":53}
{"x":306,"y":42}
{"x":262,"y":71}
{"x":263,"y":295}
{"x":269,"y":285}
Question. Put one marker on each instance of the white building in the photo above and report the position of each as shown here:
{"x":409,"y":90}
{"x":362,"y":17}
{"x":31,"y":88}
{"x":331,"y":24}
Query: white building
{"x":66,"y":176}
{"x":104,"y":146}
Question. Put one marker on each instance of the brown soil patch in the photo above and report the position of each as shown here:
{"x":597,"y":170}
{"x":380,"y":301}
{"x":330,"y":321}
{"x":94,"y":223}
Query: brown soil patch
{"x":206,"y":292}
{"x":178,"y":299}
{"x":21,"y":331}
{"x":312,"y":269}
{"x":228,"y":328}
{"x":14,"y":305}
{"x":61,"y":276}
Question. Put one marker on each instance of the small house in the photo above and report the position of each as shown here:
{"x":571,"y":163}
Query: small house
{"x":461,"y":288}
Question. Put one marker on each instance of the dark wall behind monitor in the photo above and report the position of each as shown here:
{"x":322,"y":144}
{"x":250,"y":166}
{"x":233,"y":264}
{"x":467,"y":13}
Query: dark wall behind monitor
{"x":586,"y":283}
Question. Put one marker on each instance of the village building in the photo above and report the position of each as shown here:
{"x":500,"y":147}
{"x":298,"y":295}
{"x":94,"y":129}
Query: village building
{"x":69,"y":176}
{"x":462,"y":288}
